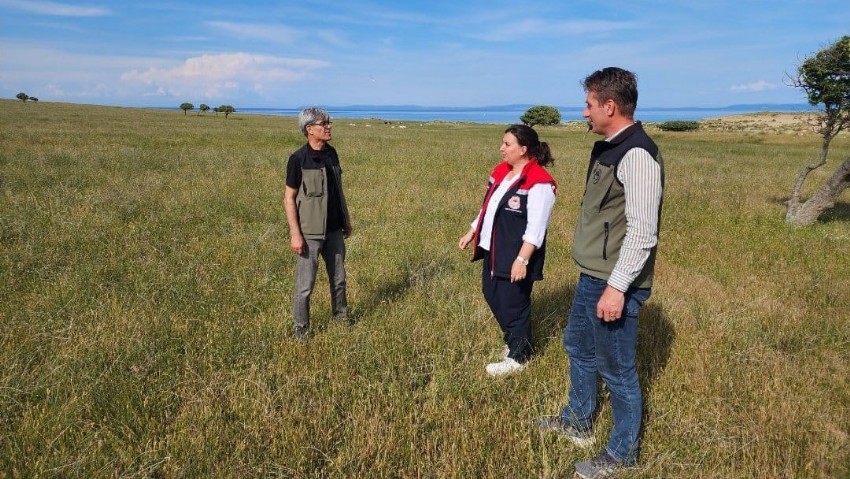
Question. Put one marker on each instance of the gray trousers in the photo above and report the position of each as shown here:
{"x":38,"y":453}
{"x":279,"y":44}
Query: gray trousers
{"x":332,"y":250}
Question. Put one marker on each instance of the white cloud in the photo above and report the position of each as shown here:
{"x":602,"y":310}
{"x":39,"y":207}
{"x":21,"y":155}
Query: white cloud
{"x":54,"y":8}
{"x":271,"y":33}
{"x":521,"y":29}
{"x":214,"y":76}
{"x":278,"y":33}
{"x":129,"y":80}
{"x":54,"y":91}
{"x":38,"y":63}
{"x":760,"y":85}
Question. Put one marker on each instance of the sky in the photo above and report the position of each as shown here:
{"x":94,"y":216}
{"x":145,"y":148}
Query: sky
{"x":288,"y":54}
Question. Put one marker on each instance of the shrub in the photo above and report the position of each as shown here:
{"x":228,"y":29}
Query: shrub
{"x":679,"y":125}
{"x":541,"y":115}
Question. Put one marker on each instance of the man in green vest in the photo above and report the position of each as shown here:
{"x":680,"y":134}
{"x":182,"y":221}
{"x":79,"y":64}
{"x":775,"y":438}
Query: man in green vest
{"x":614,"y":248}
{"x":318,"y":218}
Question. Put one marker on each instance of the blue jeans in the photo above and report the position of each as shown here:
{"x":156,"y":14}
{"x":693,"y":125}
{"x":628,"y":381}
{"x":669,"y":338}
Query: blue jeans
{"x":609,"y":349}
{"x":332,"y":250}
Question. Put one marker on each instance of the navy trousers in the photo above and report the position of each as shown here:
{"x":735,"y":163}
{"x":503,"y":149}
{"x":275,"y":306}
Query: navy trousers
{"x":511,"y":305}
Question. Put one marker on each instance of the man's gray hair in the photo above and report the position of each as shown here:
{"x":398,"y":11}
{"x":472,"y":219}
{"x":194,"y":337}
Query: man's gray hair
{"x":311,"y":115}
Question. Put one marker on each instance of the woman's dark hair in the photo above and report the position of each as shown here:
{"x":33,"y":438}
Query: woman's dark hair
{"x":526,"y":136}
{"x":616,"y":84}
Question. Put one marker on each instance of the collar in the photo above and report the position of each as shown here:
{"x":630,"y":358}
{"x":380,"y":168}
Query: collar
{"x":612,"y":137}
{"x":532,"y":174}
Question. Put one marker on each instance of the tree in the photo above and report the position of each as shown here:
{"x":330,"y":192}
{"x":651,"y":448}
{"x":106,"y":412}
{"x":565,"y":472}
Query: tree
{"x":541,"y":115}
{"x":186,"y":107}
{"x":204,"y":108}
{"x":34,"y":99}
{"x":226,"y":109}
{"x":22,"y":96}
{"x":825,"y":77}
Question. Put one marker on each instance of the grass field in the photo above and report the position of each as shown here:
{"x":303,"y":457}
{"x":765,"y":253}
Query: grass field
{"x":145,"y":329}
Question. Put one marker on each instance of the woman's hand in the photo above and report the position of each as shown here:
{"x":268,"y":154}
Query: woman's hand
{"x":464,"y":240}
{"x":518,"y":271}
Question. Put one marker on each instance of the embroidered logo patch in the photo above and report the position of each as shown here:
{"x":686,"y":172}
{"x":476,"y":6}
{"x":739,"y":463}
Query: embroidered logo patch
{"x":596,"y":175}
{"x":514,"y":202}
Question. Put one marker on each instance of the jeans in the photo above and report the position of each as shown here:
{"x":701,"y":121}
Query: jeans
{"x":609,"y":349}
{"x":332,"y":250}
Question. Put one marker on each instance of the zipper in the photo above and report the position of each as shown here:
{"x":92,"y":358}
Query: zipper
{"x":605,"y":243}
{"x":475,"y":236}
{"x":493,"y":251}
{"x":605,"y":198}
{"x":325,"y":194}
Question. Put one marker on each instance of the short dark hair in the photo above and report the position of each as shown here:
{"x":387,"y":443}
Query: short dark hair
{"x":616,"y":84}
{"x":527,"y":136}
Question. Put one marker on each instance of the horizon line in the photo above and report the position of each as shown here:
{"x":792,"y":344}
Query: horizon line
{"x":805,"y":106}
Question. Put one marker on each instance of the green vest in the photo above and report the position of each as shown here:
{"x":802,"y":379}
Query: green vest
{"x":601,"y":226}
{"x":312,"y":198}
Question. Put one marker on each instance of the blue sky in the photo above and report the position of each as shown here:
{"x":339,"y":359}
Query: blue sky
{"x":706,"y":53}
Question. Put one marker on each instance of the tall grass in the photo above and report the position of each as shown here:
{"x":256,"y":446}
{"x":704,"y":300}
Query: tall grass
{"x":145,"y":325}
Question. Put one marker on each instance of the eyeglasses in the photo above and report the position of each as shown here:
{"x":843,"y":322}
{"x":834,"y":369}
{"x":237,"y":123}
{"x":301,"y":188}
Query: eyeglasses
{"x":323,"y":124}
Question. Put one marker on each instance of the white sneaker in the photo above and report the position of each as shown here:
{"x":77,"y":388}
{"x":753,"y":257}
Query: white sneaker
{"x":506,"y":366}
{"x":506,"y":352}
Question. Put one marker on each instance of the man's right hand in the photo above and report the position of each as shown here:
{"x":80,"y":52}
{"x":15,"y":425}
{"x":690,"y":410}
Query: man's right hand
{"x":296,"y":244}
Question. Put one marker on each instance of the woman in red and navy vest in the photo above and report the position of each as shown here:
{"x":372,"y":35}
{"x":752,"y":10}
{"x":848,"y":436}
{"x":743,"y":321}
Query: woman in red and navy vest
{"x":509,"y":234}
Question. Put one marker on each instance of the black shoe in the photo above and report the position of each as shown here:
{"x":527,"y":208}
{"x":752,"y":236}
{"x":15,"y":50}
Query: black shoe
{"x":603,"y":465}
{"x":556,"y":424}
{"x":302,"y":334}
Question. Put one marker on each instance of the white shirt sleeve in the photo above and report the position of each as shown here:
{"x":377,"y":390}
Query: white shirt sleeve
{"x":541,"y":199}
{"x":640,"y":175}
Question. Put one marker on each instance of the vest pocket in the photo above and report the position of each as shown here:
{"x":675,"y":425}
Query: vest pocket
{"x":605,"y":242}
{"x":313,"y":182}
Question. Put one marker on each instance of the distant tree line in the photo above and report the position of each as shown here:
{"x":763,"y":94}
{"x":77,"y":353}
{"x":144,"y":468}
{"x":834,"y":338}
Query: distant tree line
{"x":226,"y":109}
{"x":25,"y":98}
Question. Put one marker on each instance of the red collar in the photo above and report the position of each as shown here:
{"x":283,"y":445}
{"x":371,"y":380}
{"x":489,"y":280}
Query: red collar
{"x":532,"y":174}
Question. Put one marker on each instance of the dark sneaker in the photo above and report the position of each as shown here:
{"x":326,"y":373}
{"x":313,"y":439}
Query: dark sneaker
{"x":344,"y":318}
{"x":603,"y":465}
{"x":302,"y":334}
{"x":581,"y":439}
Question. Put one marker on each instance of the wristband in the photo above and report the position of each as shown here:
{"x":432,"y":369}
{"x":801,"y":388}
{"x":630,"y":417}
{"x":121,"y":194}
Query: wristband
{"x":522,"y":260}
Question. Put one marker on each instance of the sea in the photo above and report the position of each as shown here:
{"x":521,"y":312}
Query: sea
{"x":506,"y":114}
